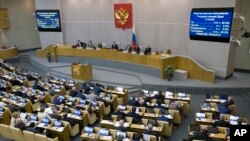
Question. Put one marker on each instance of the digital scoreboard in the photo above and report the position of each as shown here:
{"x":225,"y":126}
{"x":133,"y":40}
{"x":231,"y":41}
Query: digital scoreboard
{"x":211,"y":24}
{"x":48,"y":20}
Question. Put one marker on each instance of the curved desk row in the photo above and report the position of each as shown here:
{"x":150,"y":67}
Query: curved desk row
{"x":8,"y":53}
{"x":159,"y":62}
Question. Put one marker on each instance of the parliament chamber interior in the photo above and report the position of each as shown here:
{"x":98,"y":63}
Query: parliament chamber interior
{"x":124,"y":70}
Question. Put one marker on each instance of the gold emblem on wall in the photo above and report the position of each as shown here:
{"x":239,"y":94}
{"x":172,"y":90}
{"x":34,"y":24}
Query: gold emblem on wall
{"x":122,"y":16}
{"x":76,"y":70}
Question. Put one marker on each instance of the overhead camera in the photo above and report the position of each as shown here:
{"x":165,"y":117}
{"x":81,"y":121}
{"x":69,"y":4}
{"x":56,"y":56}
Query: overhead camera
{"x":245,"y":34}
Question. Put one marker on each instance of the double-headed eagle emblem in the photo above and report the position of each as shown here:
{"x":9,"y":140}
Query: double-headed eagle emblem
{"x":122,"y":16}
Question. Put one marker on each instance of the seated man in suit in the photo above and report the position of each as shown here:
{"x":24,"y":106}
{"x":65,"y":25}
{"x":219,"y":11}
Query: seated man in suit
{"x":98,"y":89}
{"x":137,"y":49}
{"x":57,"y":100}
{"x":150,"y":131}
{"x":121,"y":126}
{"x":201,"y":135}
{"x":80,"y":44}
{"x":223,"y":108}
{"x":158,"y":105}
{"x":230,"y":101}
{"x":128,"y":48}
{"x":55,"y":115}
{"x":119,"y":112}
{"x":162,"y":116}
{"x":20,"y":124}
{"x":136,"y":117}
{"x":99,"y":45}
{"x":90,"y":44}
{"x":32,"y":128}
{"x":114,"y":46}
{"x":147,"y":51}
{"x":73,"y":92}
{"x":65,"y":118}
{"x":221,"y":122}
{"x":80,"y":95}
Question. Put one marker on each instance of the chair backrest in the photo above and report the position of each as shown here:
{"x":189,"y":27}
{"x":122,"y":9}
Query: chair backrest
{"x":167,"y":128}
{"x":40,"y":137}
{"x":17,"y":133}
{"x":5,"y":131}
{"x":153,"y":138}
{"x":29,"y":135}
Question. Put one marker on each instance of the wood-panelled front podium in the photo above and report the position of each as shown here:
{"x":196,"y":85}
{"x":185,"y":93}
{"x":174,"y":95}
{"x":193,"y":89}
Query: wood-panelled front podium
{"x":156,"y":61}
{"x":81,"y":72}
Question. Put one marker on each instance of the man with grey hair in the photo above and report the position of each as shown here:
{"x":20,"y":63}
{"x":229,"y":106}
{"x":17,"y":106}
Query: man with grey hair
{"x":221,"y":122}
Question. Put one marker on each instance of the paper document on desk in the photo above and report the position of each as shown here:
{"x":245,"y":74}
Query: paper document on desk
{"x":116,"y":124}
{"x":59,"y":129}
{"x":106,"y":137}
{"x":126,"y":124}
{"x":41,"y":125}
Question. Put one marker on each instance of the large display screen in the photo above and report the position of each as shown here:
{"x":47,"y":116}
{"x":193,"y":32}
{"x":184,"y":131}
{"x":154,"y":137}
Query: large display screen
{"x":48,"y":20}
{"x":211,"y":24}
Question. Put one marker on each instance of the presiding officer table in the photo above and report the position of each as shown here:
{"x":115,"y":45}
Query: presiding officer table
{"x":160,"y":62}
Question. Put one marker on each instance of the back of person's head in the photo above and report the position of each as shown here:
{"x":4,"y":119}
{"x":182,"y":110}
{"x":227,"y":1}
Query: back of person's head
{"x":221,"y":117}
{"x":141,"y":101}
{"x":74,"y":88}
{"x":32,"y":124}
{"x":120,"y":137}
{"x":64,"y":115}
{"x":162,"y":112}
{"x":150,"y":126}
{"x":121,"y":122}
{"x":203,"y":129}
{"x":42,"y":109}
{"x":158,"y":102}
{"x":19,"y":121}
{"x":133,"y":109}
{"x":138,"y":136}
{"x":15,"y":115}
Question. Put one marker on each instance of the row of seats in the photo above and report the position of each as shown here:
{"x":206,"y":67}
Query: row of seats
{"x":18,"y":135}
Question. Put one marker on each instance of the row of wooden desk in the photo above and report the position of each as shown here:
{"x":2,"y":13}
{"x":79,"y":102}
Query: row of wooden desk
{"x":195,"y":70}
{"x":8,"y":53}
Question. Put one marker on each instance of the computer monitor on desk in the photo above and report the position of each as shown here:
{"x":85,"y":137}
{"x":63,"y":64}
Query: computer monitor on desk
{"x":58,"y":123}
{"x":200,"y":115}
{"x":119,"y":133}
{"x":33,"y":117}
{"x":104,"y":132}
{"x":88,"y":130}
{"x":77,"y":112}
{"x":45,"y":120}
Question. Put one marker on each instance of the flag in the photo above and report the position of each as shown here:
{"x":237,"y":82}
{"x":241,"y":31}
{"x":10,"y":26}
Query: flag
{"x":133,"y":38}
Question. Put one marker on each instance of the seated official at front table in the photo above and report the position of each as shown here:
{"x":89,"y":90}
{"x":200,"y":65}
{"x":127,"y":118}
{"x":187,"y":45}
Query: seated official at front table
{"x":90,"y":44}
{"x":99,"y":45}
{"x":137,"y":49}
{"x":128,"y":48}
{"x":147,"y":51}
{"x":114,"y":46}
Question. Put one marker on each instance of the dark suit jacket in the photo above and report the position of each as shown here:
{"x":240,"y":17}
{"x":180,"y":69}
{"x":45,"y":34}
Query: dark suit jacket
{"x":114,"y":46}
{"x":73,"y":93}
{"x":57,"y":101}
{"x":162,"y":118}
{"x":147,"y":51}
{"x":34,"y":130}
{"x":79,"y":95}
{"x":123,"y":129}
{"x":201,"y":136}
{"x":20,"y":126}
{"x":160,"y":107}
{"x":72,"y":123}
{"x":55,"y":116}
{"x":150,"y":133}
{"x":135,"y":115}
{"x":221,"y":123}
